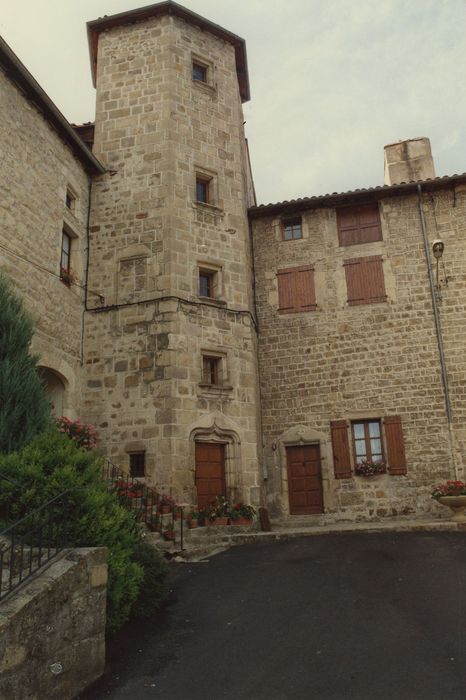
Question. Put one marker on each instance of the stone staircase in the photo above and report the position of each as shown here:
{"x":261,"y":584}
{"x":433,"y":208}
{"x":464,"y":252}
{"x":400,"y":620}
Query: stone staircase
{"x":202,"y":542}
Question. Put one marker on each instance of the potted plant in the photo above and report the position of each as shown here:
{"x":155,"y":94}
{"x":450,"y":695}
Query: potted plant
{"x":193,"y":519}
{"x":453,"y":495}
{"x":154,"y":523}
{"x":169,"y":534}
{"x":166,"y":504}
{"x":242,"y":514}
{"x":367,"y":467}
{"x":217,"y":512}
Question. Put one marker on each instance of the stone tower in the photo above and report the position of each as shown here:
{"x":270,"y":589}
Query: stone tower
{"x":170,"y":345}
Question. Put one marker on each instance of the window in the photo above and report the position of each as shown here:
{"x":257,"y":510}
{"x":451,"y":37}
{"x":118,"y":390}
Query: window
{"x":292,"y":229}
{"x":70,"y":200}
{"x":207,"y":279}
{"x":199,"y":72}
{"x":296,"y":290}
{"x":364,"y":280}
{"x":65,"y":269}
{"x":137,"y":464}
{"x":359,"y":224}
{"x":203,"y":189}
{"x":212,"y":370}
{"x":367,"y":441}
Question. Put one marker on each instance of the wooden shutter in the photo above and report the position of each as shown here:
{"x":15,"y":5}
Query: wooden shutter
{"x":359,"y":224}
{"x":364,"y":280}
{"x":395,"y":445}
{"x":296,"y":289}
{"x":341,"y":450}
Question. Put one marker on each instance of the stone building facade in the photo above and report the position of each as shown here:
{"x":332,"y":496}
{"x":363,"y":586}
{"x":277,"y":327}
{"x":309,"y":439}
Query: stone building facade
{"x":217,"y":345}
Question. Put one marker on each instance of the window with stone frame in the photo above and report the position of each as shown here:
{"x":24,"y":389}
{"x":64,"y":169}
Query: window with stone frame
{"x":358,"y":224}
{"x":207,"y":283}
{"x":137,"y":464}
{"x":365,"y":280}
{"x":70,"y":200}
{"x":292,"y":228}
{"x":199,"y":71}
{"x":204,"y":192}
{"x":212,"y":370}
{"x":65,"y":258}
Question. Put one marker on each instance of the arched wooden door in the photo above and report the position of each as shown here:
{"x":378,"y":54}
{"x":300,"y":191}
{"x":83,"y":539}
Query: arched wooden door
{"x":210,"y":472}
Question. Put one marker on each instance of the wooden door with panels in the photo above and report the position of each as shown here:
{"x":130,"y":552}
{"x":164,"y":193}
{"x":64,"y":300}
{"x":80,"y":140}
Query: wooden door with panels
{"x":304,"y":480}
{"x":210,"y":472}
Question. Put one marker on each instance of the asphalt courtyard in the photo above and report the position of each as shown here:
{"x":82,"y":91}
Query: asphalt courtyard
{"x":354,"y":616}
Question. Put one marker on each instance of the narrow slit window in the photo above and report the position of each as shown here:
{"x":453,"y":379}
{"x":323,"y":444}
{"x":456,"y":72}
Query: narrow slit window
{"x":206,"y":283}
{"x":70,"y":200}
{"x":65,"y":258}
{"x":202,"y":190}
{"x":212,"y":370}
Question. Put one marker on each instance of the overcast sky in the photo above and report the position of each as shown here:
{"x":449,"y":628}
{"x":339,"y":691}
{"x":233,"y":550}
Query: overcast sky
{"x":332,"y":81}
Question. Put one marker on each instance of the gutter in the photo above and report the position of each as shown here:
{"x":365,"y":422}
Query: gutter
{"x":438,"y":329}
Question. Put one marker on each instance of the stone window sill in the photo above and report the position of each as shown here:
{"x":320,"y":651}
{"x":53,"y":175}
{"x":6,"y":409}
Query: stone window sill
{"x":209,"y":207}
{"x":212,"y":300}
{"x":215,"y":388}
{"x":205,"y":87}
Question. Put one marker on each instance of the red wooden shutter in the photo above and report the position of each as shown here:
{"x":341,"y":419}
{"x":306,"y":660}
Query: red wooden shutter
{"x":364,"y":280}
{"x":359,"y":224}
{"x":341,"y":450}
{"x":296,"y":290}
{"x":395,"y":445}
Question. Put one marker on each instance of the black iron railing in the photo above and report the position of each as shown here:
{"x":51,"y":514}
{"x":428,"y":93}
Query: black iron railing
{"x":30,"y":543}
{"x":155,"y":510}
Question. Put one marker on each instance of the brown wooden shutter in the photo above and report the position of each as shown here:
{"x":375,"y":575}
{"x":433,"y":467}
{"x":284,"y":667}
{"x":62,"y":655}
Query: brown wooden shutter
{"x":395,"y":445}
{"x":285,"y":291}
{"x":358,"y":224}
{"x":341,"y":450}
{"x":364,"y":280}
{"x":296,"y":290}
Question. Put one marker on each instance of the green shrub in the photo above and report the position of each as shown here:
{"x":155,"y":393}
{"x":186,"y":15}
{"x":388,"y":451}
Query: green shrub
{"x":154,"y":587}
{"x":52,"y":464}
{"x":24,"y":409}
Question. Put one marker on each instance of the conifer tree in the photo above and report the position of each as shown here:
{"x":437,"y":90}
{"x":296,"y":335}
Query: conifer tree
{"x":24,"y":409}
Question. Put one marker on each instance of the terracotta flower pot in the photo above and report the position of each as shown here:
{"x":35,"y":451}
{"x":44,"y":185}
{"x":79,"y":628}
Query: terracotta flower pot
{"x":192,"y":523}
{"x":241,"y":522}
{"x":164,"y":509}
{"x":218,"y":522}
{"x":457,"y":504}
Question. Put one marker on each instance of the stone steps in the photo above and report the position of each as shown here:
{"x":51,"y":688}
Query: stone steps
{"x":203,"y":541}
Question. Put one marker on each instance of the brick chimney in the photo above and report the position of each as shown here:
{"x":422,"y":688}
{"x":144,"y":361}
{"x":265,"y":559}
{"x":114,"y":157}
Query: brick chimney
{"x":408,"y":160}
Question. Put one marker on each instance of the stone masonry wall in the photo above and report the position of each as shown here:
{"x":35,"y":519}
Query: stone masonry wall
{"x":369,"y":361}
{"x":37,"y":169}
{"x":156,"y":128}
{"x":52,"y":630}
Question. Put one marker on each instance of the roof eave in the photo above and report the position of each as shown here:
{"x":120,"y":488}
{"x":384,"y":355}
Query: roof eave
{"x":355,"y":196}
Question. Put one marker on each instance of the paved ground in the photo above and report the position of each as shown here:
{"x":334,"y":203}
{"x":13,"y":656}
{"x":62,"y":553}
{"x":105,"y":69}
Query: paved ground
{"x":355,"y":616}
